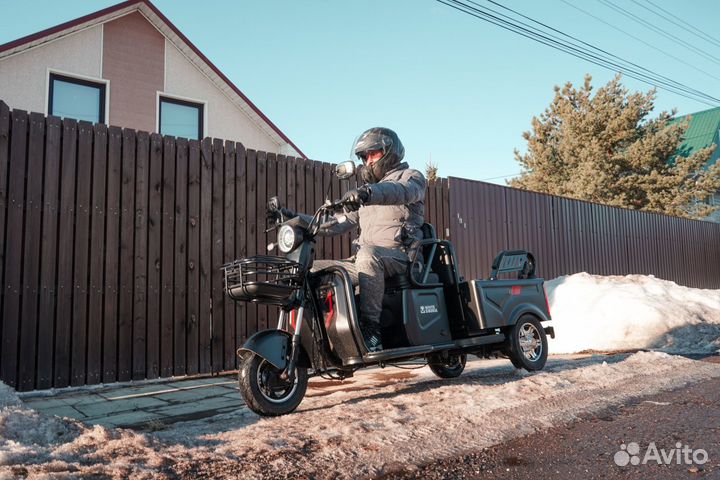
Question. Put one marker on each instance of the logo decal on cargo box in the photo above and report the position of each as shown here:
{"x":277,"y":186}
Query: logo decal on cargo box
{"x":428,"y":309}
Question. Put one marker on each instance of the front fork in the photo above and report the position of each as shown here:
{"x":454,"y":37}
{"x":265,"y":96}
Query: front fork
{"x":295,"y":350}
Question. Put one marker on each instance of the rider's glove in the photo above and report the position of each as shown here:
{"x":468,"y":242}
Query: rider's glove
{"x":355,"y":198}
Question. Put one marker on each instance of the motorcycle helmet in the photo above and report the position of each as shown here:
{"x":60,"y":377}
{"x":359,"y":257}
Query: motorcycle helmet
{"x":384,"y":140}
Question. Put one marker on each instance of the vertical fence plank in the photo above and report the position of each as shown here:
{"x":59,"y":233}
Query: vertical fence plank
{"x":180,"y":249}
{"x":167,"y":275}
{"x":229,"y":246}
{"x":4,"y":166}
{"x":13,"y":248}
{"x":272,"y":190}
{"x":205,"y":321}
{"x":83,"y":190}
{"x":97,"y":255}
{"x":218,"y":300}
{"x":65,"y":263}
{"x":48,"y":250}
{"x":241,"y":240}
{"x":262,"y":195}
{"x":193,"y":266}
{"x":31,"y":253}
{"x":154,"y":255}
{"x":112,"y":256}
{"x":140,"y":247}
{"x":251,"y":325}
{"x":127,"y":243}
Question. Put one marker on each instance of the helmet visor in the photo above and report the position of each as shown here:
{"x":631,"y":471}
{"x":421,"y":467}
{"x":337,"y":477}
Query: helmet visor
{"x":372,"y":141}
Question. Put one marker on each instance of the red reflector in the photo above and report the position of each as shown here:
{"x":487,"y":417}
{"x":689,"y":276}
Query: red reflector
{"x":515,"y":290}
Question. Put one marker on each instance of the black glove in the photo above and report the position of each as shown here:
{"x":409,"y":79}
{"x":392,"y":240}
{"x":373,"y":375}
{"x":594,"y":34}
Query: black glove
{"x":354,"y":199}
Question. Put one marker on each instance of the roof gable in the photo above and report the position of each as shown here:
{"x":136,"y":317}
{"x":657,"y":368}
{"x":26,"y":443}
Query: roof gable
{"x":171,"y":32}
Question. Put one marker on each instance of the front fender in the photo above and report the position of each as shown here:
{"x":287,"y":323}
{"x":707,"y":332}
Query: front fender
{"x":274,"y":346}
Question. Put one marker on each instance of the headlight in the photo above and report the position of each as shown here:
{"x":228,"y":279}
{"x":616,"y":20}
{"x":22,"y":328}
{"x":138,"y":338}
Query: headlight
{"x":287,"y":239}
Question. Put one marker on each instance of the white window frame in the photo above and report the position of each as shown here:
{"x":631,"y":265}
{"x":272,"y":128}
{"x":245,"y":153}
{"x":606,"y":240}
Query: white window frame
{"x":204,"y":103}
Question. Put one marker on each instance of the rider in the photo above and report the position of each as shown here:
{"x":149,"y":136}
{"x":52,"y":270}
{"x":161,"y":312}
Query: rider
{"x":389,"y":208}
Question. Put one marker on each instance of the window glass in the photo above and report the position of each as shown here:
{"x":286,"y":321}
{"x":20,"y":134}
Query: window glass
{"x":180,"y":119}
{"x":78,"y":99}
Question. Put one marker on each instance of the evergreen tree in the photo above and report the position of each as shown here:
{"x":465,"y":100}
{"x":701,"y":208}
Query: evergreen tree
{"x":431,"y":171}
{"x":604,"y":148}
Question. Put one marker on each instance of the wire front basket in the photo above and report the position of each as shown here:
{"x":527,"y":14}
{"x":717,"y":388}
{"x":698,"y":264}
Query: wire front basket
{"x":263,"y":278}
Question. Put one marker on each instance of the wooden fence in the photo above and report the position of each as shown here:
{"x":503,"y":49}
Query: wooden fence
{"x":111,"y":243}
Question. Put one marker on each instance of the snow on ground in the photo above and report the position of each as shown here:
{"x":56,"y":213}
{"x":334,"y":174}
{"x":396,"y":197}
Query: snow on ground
{"x":591,"y":312}
{"x":364,"y":426}
{"x":382,"y":419}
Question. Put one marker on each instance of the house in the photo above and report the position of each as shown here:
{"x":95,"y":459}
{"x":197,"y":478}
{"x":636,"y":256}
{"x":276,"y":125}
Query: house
{"x":128,"y":65}
{"x":703,"y":131}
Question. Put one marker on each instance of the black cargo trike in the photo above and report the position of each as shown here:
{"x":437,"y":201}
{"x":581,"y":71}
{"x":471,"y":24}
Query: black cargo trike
{"x":430,"y":314}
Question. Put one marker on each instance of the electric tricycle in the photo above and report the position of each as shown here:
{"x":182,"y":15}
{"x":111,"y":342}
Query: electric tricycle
{"x":430,"y":313}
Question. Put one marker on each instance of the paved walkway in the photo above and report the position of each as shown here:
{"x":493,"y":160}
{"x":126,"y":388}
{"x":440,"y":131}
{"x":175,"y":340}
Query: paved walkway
{"x":144,"y":406}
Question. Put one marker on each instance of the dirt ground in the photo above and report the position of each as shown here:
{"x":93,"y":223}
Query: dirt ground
{"x":586,"y":448}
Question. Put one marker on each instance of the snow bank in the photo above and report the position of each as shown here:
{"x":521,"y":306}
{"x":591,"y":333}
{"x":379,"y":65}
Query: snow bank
{"x":593,"y":312}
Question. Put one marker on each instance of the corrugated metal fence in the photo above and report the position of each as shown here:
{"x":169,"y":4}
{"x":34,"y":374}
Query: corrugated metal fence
{"x":111,"y":242}
{"x":570,"y":236}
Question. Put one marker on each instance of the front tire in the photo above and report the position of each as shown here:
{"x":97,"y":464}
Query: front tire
{"x":264,"y":392}
{"x":450,"y":368}
{"x":528,"y":347}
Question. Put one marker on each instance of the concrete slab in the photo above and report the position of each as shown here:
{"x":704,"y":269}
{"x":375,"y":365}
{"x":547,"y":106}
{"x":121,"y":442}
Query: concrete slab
{"x":102,"y":406}
{"x":127,"y":419}
{"x":62,"y":411}
{"x":194,"y":394}
{"x":227,"y":379}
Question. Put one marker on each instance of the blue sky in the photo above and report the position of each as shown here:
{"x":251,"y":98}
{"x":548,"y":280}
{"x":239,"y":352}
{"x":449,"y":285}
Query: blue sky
{"x":457,"y":90}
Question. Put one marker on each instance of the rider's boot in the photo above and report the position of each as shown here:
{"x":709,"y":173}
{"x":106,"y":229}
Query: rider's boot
{"x":372,"y":336}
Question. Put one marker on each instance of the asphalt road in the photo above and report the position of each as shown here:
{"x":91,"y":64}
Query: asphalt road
{"x":587,"y":448}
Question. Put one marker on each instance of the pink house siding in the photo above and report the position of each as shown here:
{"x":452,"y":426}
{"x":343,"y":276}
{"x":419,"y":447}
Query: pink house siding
{"x":134,"y":63}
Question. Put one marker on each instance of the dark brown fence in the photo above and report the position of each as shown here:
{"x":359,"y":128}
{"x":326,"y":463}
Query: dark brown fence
{"x":112,"y":240}
{"x":569,"y":236}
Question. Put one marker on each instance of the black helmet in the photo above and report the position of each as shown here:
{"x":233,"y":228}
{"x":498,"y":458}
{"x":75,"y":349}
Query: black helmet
{"x":382,"y":139}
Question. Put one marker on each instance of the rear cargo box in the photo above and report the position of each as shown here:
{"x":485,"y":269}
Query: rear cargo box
{"x":493,"y":301}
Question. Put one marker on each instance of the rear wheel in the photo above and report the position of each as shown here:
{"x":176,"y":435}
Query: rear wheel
{"x":527,"y":345}
{"x":264,"y":390}
{"x":452,"y":367}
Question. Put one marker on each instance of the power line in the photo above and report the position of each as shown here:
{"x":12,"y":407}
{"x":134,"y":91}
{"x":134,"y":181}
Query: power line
{"x":707,"y":37}
{"x":660,"y":31}
{"x":641,"y":40}
{"x":503,"y":176}
{"x":678,"y":84}
{"x":576,"y":50}
{"x":702,"y":35}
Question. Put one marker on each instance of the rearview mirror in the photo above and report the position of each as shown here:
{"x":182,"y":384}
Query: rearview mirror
{"x":345,"y":169}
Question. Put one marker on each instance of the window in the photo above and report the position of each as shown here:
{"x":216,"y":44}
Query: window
{"x":75,"y":98}
{"x":181,"y":119}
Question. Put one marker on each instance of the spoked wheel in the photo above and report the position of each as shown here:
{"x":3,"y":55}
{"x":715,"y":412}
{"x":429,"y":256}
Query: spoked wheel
{"x":265,"y":391}
{"x":450,"y":368}
{"x":528,"y":344}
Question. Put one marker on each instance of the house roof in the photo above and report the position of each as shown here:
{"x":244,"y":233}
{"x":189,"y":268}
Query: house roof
{"x":171,"y":32}
{"x":702,"y":131}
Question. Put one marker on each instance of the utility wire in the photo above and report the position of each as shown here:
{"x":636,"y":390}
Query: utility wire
{"x":575,"y":50}
{"x":678,"y":84}
{"x":704,"y":35}
{"x":660,"y":31}
{"x":694,"y":67}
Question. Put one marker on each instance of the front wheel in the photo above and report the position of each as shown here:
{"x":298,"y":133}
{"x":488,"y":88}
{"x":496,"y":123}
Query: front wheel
{"x":450,"y":368}
{"x":265,"y":392}
{"x":527,"y":345}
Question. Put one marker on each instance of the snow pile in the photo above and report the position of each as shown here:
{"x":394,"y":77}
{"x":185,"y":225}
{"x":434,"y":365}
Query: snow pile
{"x":591,"y":312}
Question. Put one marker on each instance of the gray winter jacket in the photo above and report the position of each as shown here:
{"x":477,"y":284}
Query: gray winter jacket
{"x":393,"y":216}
